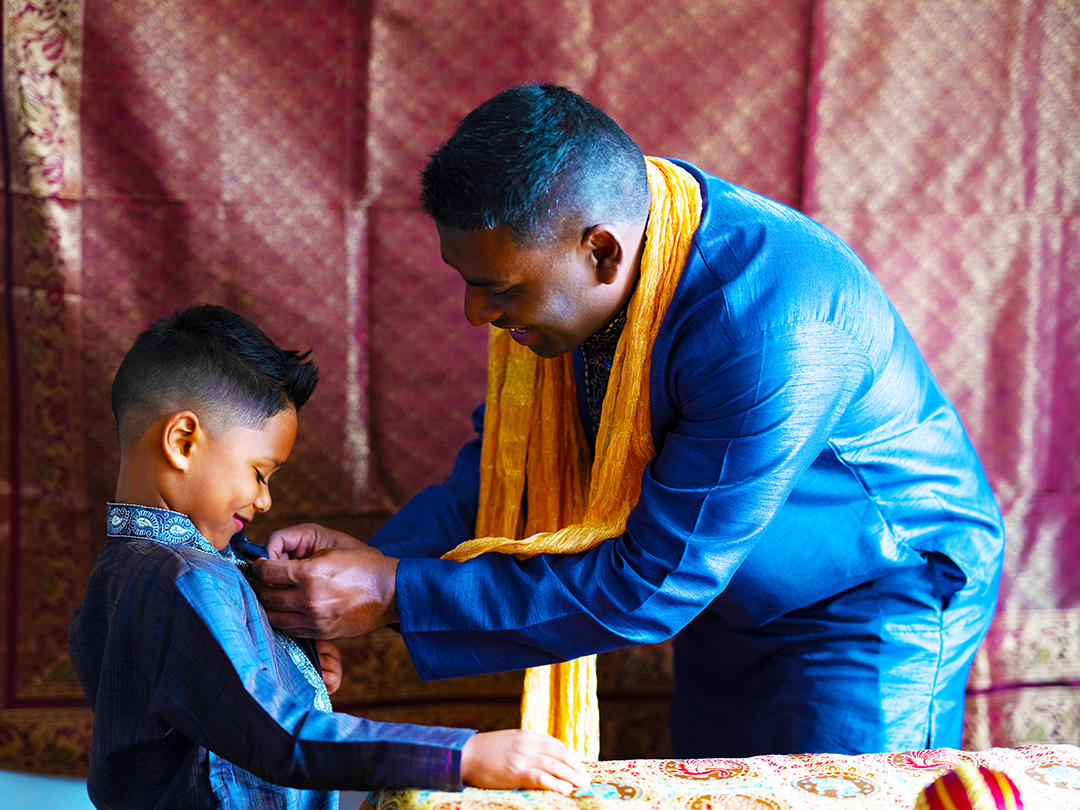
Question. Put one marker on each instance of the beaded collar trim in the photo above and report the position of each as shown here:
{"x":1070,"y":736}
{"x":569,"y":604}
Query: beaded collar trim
{"x":598,"y":353}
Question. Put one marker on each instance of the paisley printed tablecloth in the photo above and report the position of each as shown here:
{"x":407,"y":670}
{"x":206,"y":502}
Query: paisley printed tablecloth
{"x":1047,"y":776}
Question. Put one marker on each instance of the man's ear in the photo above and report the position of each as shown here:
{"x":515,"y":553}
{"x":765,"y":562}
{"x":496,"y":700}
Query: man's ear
{"x":606,"y":250}
{"x":179,"y":438}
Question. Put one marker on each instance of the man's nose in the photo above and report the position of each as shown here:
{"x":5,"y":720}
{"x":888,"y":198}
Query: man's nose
{"x":478,"y":306}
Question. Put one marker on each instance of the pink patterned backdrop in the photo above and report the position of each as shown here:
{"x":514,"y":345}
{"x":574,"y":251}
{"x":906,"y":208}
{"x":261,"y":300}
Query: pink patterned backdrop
{"x":263,"y":155}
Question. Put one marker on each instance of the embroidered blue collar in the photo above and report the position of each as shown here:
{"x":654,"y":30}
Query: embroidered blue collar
{"x":125,"y":520}
{"x":172,"y":528}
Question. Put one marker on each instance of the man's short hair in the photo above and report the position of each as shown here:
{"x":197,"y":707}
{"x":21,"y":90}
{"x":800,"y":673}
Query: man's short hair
{"x":211,"y":361}
{"x":530,"y":157}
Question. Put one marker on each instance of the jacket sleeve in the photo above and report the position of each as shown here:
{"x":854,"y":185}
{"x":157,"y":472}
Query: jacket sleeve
{"x":212,"y":676}
{"x":753,"y":416}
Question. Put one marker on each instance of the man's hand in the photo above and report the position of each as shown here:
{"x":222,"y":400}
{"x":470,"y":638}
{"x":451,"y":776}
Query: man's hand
{"x":520,"y":759}
{"x":298,"y":542}
{"x":330,"y":663}
{"x":332,"y":593}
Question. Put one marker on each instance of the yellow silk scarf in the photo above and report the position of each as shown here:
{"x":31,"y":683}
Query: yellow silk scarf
{"x":533,"y":437}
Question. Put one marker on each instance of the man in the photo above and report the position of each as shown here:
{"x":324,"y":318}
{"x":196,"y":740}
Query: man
{"x":812,"y":524}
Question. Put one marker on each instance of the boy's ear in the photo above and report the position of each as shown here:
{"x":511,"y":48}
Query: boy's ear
{"x":179,"y":437}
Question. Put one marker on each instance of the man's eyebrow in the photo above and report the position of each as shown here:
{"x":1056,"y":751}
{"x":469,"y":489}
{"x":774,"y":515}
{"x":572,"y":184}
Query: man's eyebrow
{"x":490,"y":282}
{"x":486,"y":283}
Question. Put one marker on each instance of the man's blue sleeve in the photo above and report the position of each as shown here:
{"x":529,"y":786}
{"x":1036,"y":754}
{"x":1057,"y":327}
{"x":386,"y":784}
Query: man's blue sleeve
{"x":753,"y":418}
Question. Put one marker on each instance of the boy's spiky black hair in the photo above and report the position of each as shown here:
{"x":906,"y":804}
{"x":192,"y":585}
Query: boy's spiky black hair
{"x":207,"y":359}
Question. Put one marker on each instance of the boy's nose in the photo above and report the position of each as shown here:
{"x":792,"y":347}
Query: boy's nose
{"x":478,"y":309}
{"x":262,"y":503}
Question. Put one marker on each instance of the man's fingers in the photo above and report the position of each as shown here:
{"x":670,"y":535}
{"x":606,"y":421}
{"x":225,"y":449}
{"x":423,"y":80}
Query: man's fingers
{"x":292,"y":624}
{"x":275,"y":548}
{"x":282,"y":544}
{"x":278,"y":599}
{"x":298,"y":542}
{"x":291,"y":542}
{"x":342,"y":591}
{"x":275,"y":572}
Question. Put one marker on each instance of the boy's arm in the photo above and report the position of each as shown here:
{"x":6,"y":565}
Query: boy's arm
{"x":211,"y":680}
{"x":214,"y":686}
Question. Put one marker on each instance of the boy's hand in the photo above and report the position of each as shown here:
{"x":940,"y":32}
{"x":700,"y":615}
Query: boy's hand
{"x":330,"y":661}
{"x":298,"y":542}
{"x":515,"y":758}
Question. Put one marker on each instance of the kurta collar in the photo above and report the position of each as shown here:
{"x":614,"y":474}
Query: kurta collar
{"x":597,"y":355}
{"x":162,"y":526}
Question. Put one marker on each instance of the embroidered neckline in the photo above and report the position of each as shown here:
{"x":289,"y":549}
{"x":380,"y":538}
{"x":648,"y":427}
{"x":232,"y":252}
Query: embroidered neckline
{"x":597,"y":354}
{"x":152,"y":523}
{"x":173,"y":528}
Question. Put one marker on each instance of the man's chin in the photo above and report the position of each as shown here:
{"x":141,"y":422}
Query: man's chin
{"x":549,"y":352}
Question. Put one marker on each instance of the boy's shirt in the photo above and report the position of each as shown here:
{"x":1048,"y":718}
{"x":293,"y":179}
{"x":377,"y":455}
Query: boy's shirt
{"x":198,"y":701}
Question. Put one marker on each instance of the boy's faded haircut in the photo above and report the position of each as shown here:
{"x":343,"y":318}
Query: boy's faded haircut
{"x":211,"y":361}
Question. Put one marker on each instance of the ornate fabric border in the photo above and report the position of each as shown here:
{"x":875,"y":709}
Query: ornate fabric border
{"x":1048,"y":777}
{"x":44,"y":526}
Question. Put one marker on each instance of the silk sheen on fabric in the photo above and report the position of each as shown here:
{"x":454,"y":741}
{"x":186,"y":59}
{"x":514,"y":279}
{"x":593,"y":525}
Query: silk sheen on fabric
{"x":804,"y":449}
{"x":164,"y":153}
{"x":197,"y":703}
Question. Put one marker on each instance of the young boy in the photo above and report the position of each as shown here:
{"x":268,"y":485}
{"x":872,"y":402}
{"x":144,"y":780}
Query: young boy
{"x":197,"y":701}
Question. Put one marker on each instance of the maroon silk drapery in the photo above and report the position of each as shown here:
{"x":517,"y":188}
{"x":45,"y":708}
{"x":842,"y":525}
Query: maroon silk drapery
{"x":263,"y":156}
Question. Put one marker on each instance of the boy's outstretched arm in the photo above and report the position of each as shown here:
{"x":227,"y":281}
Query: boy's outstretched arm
{"x":515,"y":758}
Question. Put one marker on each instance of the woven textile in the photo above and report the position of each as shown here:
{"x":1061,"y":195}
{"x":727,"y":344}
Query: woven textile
{"x":1046,"y":776}
{"x":263,"y":155}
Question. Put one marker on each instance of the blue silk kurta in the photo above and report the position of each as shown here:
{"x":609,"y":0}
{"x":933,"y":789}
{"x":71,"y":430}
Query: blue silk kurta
{"x":804,"y":449}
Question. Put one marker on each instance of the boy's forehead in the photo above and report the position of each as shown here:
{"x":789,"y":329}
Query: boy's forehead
{"x":270,"y":439}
